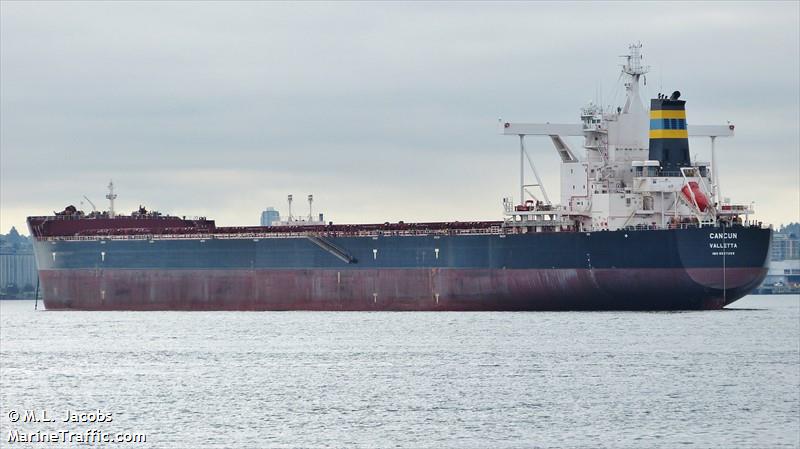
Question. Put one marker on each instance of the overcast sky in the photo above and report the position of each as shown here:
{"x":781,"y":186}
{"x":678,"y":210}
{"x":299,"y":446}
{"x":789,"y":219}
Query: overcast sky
{"x":384,"y":111}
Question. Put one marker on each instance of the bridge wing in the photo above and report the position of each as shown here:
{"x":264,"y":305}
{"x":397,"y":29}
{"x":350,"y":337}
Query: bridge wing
{"x":541,"y":129}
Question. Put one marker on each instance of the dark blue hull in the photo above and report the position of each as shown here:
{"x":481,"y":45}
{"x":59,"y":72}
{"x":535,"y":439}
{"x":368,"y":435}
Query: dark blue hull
{"x":612,"y":270}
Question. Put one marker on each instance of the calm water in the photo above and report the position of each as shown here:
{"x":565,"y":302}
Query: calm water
{"x":304,"y":379}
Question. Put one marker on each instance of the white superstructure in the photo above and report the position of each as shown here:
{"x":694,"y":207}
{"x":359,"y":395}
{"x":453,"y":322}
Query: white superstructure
{"x":617,"y":183}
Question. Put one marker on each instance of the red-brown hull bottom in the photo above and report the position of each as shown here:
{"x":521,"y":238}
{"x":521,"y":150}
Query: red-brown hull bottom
{"x":398,"y":289}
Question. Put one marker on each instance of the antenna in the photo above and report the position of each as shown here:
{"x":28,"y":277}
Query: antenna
{"x":633,"y":61}
{"x":111,"y":196}
{"x":290,"y":207}
{"x":634,"y":69}
{"x":310,"y":207}
{"x":94,"y":208}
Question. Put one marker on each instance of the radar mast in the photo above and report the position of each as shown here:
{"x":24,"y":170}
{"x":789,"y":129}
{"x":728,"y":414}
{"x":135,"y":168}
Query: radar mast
{"x":634,"y":69}
{"x":111,"y":196}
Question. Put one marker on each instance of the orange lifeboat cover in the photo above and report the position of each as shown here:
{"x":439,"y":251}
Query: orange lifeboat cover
{"x":699,"y":196}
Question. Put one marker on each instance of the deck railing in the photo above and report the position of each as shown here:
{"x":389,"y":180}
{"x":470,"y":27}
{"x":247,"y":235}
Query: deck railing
{"x":273,"y":235}
{"x":492,"y":230}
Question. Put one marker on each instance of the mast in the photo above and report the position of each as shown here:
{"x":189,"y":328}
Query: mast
{"x":635,"y":70}
{"x":111,"y":196}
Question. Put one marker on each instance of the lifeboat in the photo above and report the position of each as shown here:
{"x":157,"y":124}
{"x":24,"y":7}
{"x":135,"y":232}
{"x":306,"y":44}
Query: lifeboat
{"x":695,"y":195}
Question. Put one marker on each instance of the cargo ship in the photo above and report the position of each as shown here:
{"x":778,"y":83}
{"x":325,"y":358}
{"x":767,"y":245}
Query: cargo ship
{"x":640,"y":226}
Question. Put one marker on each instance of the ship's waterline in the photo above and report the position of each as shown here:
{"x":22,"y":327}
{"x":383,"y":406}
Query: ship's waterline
{"x":398,"y":290}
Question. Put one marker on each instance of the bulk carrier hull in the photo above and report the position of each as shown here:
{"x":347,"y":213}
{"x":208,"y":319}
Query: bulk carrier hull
{"x":672,"y":269}
{"x":640,"y":226}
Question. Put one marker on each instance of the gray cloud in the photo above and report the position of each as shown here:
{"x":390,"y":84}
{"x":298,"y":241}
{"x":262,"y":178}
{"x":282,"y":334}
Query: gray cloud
{"x":384,"y":111}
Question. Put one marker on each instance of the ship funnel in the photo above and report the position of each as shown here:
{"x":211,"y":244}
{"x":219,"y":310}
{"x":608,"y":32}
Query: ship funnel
{"x":669,"y":139}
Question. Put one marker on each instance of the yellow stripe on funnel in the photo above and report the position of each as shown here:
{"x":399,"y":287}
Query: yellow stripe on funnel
{"x":669,"y":134}
{"x":667,"y":114}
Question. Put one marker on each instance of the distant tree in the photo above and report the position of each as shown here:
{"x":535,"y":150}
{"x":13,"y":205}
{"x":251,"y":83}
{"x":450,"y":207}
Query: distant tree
{"x":14,"y":241}
{"x":28,"y":288}
{"x":791,"y":228}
